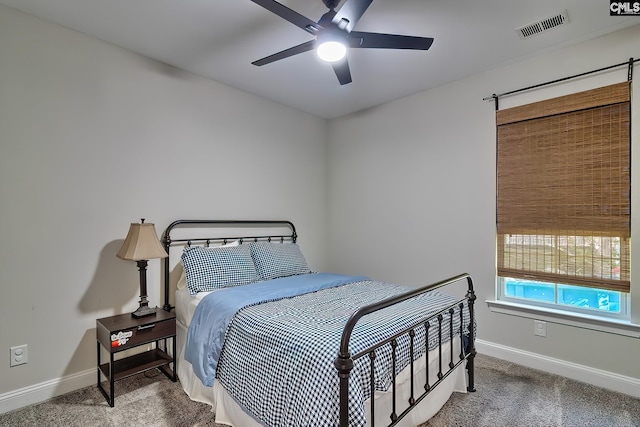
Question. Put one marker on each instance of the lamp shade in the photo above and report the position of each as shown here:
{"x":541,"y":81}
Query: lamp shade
{"x":141,"y":243}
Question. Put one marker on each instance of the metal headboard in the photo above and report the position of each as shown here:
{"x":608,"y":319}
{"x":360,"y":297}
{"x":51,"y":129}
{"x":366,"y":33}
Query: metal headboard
{"x":167,"y":241}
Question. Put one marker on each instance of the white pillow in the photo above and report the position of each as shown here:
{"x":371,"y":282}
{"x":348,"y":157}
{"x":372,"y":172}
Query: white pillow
{"x":182,"y":281}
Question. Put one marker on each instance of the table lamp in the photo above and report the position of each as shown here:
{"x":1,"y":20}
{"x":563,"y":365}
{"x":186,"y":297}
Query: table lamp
{"x":142,"y":244}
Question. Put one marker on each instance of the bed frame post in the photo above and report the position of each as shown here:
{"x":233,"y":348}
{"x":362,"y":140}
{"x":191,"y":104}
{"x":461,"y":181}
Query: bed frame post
{"x":344,"y":365}
{"x":471,"y":347}
{"x":166,"y":243}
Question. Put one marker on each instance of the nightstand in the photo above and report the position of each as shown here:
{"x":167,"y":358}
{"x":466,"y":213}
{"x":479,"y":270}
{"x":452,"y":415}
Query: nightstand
{"x":123,"y":332}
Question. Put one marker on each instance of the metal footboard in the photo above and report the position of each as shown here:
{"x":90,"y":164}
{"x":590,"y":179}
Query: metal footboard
{"x":344,"y":363}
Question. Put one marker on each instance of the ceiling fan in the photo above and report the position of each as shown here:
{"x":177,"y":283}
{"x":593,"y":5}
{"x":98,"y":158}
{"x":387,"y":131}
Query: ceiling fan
{"x":334,"y":35}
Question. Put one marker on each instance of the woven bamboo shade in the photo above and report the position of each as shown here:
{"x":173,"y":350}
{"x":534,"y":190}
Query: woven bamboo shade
{"x":563,"y":178}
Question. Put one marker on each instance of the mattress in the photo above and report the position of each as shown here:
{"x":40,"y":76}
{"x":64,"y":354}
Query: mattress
{"x":229,"y":412}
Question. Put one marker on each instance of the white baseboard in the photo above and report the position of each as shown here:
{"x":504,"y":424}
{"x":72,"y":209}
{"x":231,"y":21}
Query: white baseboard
{"x":40,"y":392}
{"x":585,"y":374}
{"x":609,"y":380}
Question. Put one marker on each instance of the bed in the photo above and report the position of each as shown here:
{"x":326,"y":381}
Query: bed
{"x":266,"y":341}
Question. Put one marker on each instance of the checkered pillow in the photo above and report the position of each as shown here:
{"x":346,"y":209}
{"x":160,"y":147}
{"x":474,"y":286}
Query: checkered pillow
{"x":208,"y":269}
{"x":274,"y":260}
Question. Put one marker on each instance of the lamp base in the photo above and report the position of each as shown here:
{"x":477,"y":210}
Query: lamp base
{"x":144,"y":311}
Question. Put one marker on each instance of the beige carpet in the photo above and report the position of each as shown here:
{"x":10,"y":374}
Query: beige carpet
{"x":507,"y":395}
{"x":512,"y":395}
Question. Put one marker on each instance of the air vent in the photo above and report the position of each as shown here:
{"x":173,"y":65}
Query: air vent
{"x":543,"y":25}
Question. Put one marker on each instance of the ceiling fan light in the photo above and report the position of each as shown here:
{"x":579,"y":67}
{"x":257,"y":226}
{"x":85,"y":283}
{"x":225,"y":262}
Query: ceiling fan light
{"x":331,"y":51}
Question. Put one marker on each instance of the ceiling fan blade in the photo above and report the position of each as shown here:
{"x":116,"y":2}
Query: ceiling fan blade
{"x":342,"y":71}
{"x":292,"y":16}
{"x":351,"y":11}
{"x":304,"y":47}
{"x":360,"y":39}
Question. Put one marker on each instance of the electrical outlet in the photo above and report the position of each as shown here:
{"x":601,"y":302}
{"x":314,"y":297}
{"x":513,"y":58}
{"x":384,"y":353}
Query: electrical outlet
{"x":540,"y":328}
{"x":19,"y":355}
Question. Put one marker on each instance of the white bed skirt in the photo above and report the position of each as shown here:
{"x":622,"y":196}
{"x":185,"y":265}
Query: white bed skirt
{"x":229,"y":412}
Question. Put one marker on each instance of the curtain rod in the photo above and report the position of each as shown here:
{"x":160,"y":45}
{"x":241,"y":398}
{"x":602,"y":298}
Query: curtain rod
{"x":629,"y":63}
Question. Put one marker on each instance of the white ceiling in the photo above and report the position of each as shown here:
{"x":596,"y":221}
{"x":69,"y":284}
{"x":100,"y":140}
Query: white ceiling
{"x":219,"y":39}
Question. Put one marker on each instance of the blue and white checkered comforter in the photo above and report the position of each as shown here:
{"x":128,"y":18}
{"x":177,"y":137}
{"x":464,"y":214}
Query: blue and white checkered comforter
{"x":277,"y":357}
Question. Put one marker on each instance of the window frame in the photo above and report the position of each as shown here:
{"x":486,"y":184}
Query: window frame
{"x":627,"y":324}
{"x":564,"y":169}
{"x":623,"y":316}
{"x":578,"y":320}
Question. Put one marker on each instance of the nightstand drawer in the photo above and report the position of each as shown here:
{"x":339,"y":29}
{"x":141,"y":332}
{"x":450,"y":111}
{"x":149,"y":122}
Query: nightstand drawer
{"x":122,"y":331}
{"x":132,"y":337}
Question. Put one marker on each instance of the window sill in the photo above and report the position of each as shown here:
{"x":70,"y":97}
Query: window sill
{"x":584,"y":321}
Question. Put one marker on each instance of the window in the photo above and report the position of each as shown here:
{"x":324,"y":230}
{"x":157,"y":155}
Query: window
{"x":563,"y":201}
{"x":599,"y":302}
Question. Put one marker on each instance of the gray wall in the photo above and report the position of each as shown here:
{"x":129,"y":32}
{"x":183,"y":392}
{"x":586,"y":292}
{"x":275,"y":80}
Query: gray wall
{"x":92,"y":138}
{"x":412,"y":193}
